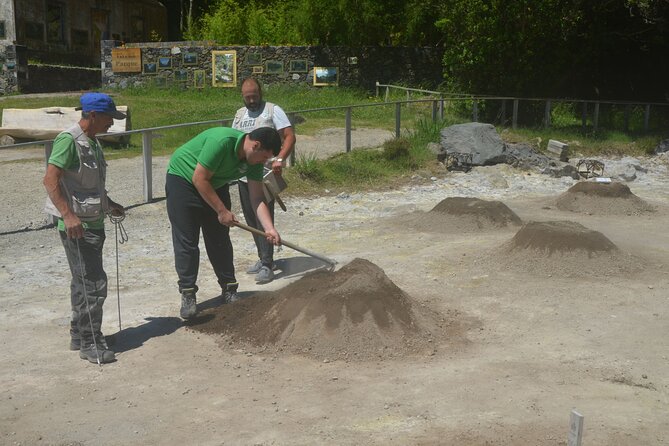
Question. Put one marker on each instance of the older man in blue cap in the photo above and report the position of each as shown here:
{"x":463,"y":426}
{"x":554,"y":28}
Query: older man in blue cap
{"x":75,"y":183}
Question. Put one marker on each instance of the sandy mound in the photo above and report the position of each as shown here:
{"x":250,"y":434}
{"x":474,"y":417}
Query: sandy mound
{"x":562,"y":248}
{"x":461,"y":214}
{"x":355,"y":313}
{"x":602,"y":199}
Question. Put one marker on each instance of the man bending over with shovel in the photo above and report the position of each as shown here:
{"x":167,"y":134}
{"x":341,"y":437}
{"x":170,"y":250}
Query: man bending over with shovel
{"x":198,"y":196}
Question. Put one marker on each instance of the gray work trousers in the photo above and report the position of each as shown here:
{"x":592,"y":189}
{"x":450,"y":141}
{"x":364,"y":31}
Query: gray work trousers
{"x":265,"y":248}
{"x":89,"y":282}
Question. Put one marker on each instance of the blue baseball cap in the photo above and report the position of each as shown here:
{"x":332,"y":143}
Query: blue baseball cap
{"x":100,"y":102}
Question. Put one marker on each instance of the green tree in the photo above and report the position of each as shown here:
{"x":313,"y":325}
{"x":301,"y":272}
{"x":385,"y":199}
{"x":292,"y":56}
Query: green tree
{"x":514,"y":47}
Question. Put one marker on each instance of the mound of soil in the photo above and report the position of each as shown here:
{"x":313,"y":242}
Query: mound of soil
{"x":602,"y":199}
{"x":563,"y":248}
{"x":462,"y":214}
{"x":560,"y":236}
{"x":355,"y":313}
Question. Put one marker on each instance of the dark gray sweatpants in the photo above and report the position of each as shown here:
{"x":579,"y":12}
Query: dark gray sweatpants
{"x":89,"y":282}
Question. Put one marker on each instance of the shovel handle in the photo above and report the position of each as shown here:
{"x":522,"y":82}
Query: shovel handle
{"x":322,"y":258}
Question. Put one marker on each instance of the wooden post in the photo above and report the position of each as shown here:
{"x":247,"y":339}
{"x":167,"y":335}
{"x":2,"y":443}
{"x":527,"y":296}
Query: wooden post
{"x":147,"y":150}
{"x":575,"y":429}
{"x":435,"y":106}
{"x":646,"y":118}
{"x":547,"y":114}
{"x":514,"y":122}
{"x":584,"y":117}
{"x":595,"y":118}
{"x":348,"y":129}
{"x":387,"y":94}
{"x":398,"y":112}
{"x":377,"y":89}
{"x":475,"y":111}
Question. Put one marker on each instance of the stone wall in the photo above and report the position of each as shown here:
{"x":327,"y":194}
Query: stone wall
{"x":290,"y":65}
{"x":9,"y":69}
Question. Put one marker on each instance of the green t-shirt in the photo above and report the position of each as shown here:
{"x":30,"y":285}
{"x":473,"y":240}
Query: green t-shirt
{"x":216,"y":150}
{"x":64,"y":155}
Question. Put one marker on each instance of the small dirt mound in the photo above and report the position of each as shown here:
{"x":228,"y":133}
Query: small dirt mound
{"x":561,"y":236}
{"x":462,"y":214}
{"x":602,"y":199}
{"x":356,"y":313}
{"x":563,"y":248}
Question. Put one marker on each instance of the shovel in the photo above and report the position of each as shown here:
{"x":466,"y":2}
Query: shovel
{"x":322,"y":258}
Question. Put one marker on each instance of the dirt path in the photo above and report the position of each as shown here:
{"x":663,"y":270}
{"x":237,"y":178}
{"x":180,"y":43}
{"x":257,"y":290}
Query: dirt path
{"x":528,"y":350}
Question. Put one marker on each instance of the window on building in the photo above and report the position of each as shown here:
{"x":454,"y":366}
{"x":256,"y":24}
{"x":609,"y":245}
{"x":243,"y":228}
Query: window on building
{"x":55,"y":22}
{"x":34,"y":31}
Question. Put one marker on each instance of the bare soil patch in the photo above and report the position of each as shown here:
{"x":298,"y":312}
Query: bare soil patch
{"x":602,"y":199}
{"x":356,"y":313}
{"x":461,"y":214}
{"x":563,"y":248}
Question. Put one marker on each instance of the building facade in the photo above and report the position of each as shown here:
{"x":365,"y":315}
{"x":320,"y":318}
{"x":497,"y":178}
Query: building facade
{"x":69,"y":32}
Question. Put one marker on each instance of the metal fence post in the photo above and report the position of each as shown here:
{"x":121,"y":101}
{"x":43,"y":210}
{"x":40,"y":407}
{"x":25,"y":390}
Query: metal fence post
{"x":348,"y":129}
{"x":547,"y":114}
{"x":398,"y":111}
{"x":147,"y":150}
{"x":595,"y":118}
{"x":48,"y":148}
{"x":503,"y":112}
{"x":584,"y":117}
{"x":387,"y":94}
{"x":377,"y":89}
{"x":646,"y":118}
{"x":441,"y":107}
{"x":435,"y":106}
{"x":475,"y":111}
{"x":514,"y":122}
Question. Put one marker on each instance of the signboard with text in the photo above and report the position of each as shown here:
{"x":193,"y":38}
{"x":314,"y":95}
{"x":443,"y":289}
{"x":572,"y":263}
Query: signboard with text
{"x":126,"y":60}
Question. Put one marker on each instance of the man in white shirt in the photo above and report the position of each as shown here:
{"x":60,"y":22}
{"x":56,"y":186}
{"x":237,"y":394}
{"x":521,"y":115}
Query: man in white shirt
{"x":255,"y":114}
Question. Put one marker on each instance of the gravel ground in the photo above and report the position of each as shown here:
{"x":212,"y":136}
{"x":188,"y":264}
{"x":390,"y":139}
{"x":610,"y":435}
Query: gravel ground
{"x":532,"y":347}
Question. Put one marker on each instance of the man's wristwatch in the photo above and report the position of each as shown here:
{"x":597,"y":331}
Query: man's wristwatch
{"x":279,"y":160}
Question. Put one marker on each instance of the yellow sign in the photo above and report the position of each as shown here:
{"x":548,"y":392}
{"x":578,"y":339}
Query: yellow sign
{"x":126,"y":60}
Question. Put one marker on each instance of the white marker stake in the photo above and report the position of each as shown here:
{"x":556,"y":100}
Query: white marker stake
{"x":575,"y":429}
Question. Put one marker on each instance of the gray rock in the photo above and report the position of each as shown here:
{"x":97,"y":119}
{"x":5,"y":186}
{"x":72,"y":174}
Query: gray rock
{"x":559,"y":169}
{"x":525,"y":156}
{"x":662,"y":147}
{"x":481,"y":140}
{"x":629,"y":174}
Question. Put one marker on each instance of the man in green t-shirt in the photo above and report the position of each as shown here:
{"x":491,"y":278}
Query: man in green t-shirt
{"x":198,"y":197}
{"x":75,"y":183}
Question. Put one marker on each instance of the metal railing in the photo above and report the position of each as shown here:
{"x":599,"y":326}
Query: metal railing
{"x":548,"y":107}
{"x":149,"y":134}
{"x":438,"y":101}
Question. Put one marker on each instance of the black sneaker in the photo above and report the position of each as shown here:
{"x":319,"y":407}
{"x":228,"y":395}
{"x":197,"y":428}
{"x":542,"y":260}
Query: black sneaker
{"x":188,"y":303}
{"x":230,"y":293}
{"x":93,"y":353}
